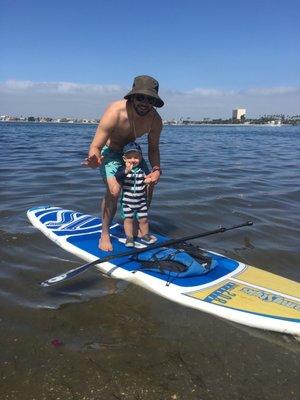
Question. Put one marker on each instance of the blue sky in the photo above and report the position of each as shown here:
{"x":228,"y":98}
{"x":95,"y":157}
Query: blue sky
{"x":209,"y":52}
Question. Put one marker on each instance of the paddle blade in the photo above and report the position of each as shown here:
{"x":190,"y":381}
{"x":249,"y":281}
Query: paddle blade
{"x":67,"y":275}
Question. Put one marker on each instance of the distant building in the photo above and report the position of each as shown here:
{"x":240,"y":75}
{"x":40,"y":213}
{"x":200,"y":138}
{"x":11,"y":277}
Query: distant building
{"x":238,"y":114}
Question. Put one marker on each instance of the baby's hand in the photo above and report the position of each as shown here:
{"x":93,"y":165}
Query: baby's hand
{"x":128,"y":167}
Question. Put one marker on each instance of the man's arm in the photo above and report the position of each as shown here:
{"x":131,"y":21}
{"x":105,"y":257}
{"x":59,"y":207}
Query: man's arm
{"x":103,"y":132}
{"x":121,"y":174}
{"x":153,"y":148}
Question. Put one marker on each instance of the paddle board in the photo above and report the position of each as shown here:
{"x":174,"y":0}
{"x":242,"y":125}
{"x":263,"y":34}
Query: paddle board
{"x":231,"y":290}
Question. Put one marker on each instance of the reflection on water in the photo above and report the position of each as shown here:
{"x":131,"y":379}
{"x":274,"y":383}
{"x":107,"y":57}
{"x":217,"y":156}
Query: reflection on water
{"x":122,"y":335}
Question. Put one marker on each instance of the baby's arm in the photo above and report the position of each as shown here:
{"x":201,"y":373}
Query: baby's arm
{"x":121,"y":174}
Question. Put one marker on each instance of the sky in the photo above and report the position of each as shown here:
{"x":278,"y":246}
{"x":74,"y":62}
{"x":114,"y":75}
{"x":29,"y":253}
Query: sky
{"x":72,"y":58}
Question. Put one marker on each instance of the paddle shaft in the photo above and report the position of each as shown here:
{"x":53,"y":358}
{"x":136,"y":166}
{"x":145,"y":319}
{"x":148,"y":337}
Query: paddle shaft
{"x":76,"y":271}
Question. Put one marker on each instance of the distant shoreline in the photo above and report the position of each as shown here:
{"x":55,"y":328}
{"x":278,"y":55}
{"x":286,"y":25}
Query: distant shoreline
{"x":49,"y":123}
{"x":165,"y":124}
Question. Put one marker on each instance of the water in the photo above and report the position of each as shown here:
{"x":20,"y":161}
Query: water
{"x":95,"y":338}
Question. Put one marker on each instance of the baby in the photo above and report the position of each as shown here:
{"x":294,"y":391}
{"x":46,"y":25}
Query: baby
{"x":134,"y":197}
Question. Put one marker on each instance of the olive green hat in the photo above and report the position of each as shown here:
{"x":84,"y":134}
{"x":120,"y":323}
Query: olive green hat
{"x":148,"y":86}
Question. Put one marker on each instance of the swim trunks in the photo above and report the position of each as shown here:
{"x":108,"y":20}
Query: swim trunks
{"x":112,"y":161}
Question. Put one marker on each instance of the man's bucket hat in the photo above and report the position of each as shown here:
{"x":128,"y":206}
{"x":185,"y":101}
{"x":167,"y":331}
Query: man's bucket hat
{"x":148,"y":86}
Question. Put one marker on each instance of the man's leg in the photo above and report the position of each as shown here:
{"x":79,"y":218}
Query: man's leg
{"x":109,"y":208}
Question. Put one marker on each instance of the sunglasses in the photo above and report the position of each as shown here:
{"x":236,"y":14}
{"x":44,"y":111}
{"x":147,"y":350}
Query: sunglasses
{"x":142,"y":98}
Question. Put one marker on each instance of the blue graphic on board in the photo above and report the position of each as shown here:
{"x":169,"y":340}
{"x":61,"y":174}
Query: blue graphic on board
{"x":83,"y":231}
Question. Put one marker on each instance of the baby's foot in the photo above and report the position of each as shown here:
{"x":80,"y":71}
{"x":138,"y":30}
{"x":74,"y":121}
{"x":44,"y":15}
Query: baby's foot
{"x":148,"y":239}
{"x":129,"y":242}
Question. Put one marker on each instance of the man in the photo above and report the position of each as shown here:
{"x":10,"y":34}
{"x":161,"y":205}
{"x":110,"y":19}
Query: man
{"x":123,"y":122}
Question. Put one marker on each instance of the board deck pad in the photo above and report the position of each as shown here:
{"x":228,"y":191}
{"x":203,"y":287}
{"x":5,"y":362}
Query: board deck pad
{"x":232,"y":290}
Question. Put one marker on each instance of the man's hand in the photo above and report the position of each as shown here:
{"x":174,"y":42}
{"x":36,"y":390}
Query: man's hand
{"x":93,"y":161}
{"x":152,"y":178}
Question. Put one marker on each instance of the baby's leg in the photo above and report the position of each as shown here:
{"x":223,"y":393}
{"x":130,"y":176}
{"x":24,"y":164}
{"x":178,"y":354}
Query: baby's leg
{"x":143,"y":226}
{"x":128,"y":227}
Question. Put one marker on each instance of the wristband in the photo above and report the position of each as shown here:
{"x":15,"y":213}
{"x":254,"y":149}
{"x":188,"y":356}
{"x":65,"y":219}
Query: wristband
{"x":156,"y":169}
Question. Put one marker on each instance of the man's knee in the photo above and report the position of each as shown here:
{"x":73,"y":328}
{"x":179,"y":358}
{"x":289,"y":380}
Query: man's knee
{"x":113,"y":195}
{"x":113,"y":190}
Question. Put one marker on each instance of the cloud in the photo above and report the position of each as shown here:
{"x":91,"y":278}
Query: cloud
{"x":90,"y":100}
{"x":273,"y":91}
{"x":13,"y":86}
{"x":209,"y":92}
{"x":56,"y":99}
{"x":199,"y":103}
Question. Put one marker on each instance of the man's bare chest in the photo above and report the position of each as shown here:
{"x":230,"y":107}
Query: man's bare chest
{"x":131,"y":130}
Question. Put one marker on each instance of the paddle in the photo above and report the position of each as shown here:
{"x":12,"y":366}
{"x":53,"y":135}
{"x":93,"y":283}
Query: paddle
{"x":76,"y":271}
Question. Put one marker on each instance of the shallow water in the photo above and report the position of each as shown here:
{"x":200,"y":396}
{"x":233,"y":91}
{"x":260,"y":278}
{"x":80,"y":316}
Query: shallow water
{"x":117,"y":341}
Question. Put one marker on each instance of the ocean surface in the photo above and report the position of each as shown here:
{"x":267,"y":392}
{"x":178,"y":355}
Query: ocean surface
{"x":96,"y":338}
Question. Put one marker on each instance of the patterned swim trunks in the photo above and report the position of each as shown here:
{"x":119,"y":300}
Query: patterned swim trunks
{"x":113,"y":160}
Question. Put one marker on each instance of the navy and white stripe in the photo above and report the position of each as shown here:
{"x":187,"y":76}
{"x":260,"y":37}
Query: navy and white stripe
{"x":134,"y":193}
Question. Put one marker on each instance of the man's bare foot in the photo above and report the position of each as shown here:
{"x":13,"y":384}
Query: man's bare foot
{"x":105,"y":243}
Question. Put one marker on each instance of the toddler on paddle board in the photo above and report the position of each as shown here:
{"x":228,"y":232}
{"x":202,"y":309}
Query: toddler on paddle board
{"x":134,"y":181}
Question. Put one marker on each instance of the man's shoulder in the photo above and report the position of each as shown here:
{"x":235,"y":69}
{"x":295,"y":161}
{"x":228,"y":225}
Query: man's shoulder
{"x":115,"y":112}
{"x":118,"y":106}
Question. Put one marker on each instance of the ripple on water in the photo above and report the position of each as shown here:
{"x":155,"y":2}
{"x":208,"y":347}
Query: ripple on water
{"x":212,"y":176}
